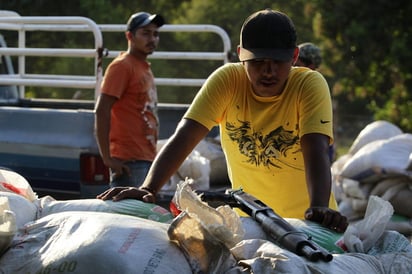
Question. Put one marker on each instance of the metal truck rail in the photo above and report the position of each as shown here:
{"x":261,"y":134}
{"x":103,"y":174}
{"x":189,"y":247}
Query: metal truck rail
{"x":13,"y":22}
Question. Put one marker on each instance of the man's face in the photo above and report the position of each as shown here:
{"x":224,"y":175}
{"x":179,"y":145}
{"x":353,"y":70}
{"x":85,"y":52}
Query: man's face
{"x":145,"y":39}
{"x":268,"y":77}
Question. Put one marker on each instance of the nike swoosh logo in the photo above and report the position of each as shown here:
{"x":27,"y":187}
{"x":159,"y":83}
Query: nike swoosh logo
{"x":324,"y":122}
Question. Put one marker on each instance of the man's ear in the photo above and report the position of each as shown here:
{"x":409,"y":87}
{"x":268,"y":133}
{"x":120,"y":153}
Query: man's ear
{"x":238,"y":50}
{"x":295,"y":55}
{"x":129,"y":35}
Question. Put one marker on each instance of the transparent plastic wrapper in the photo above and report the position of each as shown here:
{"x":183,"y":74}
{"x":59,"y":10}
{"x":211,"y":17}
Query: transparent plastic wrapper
{"x":203,"y":233}
{"x":362,"y":235}
{"x":223,"y":222}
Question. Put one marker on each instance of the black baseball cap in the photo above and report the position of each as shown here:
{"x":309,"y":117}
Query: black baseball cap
{"x":267,"y":34}
{"x":142,"y":19}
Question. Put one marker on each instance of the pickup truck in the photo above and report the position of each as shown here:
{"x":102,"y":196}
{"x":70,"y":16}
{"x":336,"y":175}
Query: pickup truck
{"x":51,"y":142}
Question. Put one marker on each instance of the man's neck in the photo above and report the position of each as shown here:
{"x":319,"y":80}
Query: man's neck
{"x":137,"y":54}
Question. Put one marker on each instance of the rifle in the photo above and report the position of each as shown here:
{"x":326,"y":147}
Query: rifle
{"x":279,"y":230}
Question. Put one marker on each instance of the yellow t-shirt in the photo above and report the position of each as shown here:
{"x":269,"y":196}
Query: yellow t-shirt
{"x":261,"y":135}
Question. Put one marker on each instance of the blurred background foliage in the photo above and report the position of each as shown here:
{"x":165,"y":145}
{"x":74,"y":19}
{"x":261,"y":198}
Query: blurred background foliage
{"x":365,"y":45}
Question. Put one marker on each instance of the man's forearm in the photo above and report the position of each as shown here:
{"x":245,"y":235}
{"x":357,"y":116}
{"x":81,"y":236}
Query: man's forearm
{"x":102,"y":131}
{"x":188,"y":134}
{"x":317,"y":167}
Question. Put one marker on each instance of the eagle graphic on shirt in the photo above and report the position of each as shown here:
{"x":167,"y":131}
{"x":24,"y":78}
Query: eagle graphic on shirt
{"x":260,"y":149}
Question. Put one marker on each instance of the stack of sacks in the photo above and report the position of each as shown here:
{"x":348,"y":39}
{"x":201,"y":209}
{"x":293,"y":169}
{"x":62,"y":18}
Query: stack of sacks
{"x":99,"y":242}
{"x":39,"y":235}
{"x":378,"y":163}
{"x":19,"y":198}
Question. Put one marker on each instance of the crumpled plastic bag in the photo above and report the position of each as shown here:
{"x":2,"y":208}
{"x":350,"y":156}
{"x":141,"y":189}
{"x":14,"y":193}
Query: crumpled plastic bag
{"x":223,"y":222}
{"x":204,"y":252}
{"x":362,"y":235}
{"x":203,"y":233}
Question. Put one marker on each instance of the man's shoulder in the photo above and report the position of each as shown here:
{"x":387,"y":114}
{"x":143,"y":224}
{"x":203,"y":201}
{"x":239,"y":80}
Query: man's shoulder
{"x":231,"y":69}
{"x":128,"y":62}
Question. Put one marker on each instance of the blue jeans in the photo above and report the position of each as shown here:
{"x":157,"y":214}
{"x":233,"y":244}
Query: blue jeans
{"x":138,"y":170}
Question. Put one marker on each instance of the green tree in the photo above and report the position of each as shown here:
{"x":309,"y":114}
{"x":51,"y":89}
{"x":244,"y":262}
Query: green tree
{"x":368,"y":49}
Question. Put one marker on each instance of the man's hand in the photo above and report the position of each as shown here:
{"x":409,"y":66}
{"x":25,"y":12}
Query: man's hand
{"x":120,"y":193}
{"x":328,"y":218}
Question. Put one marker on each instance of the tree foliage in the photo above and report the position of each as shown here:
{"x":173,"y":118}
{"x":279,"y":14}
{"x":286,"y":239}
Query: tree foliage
{"x":368,"y":48}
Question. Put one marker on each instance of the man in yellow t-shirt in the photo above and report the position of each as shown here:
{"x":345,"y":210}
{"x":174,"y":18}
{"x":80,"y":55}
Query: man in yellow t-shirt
{"x":275,"y":124}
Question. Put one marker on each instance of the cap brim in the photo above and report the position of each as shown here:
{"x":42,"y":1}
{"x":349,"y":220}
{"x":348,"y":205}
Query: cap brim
{"x":274,"y":54}
{"x":155,"y":19}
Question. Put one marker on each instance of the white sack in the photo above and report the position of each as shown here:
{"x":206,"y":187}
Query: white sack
{"x":209,"y":148}
{"x":24,"y":210}
{"x":391,"y":254}
{"x":265,"y":257}
{"x":352,"y":188}
{"x":93,"y":242}
{"x":206,"y":165}
{"x":378,"y":130}
{"x":391,"y":154}
{"x":212,"y":150}
{"x":195,"y":167}
{"x":11,"y":181}
{"x":396,"y":263}
{"x":133,"y":207}
{"x":8,"y":225}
